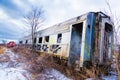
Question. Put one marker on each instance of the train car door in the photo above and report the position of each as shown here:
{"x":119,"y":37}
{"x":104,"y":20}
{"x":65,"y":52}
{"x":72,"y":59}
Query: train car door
{"x":106,"y":42}
{"x":77,"y":43}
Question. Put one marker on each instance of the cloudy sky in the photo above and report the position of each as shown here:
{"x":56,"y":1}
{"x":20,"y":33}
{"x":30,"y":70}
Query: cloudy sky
{"x":12,"y":12}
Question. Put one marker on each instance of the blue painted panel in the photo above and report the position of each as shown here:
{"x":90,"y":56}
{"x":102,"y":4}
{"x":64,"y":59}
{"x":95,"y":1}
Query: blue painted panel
{"x":89,"y":36}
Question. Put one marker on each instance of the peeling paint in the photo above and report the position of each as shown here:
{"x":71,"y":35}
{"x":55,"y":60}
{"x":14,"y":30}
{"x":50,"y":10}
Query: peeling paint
{"x":79,"y":43}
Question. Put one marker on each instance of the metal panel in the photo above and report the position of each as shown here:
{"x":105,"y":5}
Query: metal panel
{"x":65,"y":37}
{"x":53,"y":39}
{"x":106,"y":46}
{"x":83,"y":44}
{"x":101,"y":42}
{"x":89,"y":37}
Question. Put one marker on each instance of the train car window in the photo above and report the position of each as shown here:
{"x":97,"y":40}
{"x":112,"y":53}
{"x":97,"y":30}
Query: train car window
{"x":59,"y":38}
{"x":34,"y":40}
{"x":20,"y":42}
{"x":40,"y":39}
{"x":26,"y":41}
{"x":88,"y":26}
{"x":46,"y":38}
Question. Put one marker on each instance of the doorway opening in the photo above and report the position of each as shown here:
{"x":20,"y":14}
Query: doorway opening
{"x":75,"y":44}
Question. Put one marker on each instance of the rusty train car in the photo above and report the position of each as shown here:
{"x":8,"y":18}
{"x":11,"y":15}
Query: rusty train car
{"x":86,"y":38}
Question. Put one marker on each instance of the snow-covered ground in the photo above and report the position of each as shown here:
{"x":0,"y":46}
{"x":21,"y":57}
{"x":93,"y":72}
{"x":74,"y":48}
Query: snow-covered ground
{"x":52,"y":74}
{"x":12,"y":69}
{"x":112,"y":76}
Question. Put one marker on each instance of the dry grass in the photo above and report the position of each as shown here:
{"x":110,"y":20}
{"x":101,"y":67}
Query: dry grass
{"x":2,"y":50}
{"x":43,"y":61}
{"x":117,"y":61}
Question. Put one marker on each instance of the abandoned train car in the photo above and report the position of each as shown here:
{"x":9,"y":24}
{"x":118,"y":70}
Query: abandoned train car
{"x":86,"y":38}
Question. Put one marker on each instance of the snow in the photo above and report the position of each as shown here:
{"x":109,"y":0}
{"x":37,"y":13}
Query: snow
{"x":112,"y":76}
{"x":11,"y":69}
{"x":12,"y":74}
{"x":52,"y":74}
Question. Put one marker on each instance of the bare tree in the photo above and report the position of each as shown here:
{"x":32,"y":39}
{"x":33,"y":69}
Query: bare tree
{"x":116,"y":27}
{"x":34,"y":18}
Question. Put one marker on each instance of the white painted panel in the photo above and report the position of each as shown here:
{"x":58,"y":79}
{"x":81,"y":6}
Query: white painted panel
{"x":65,"y":37}
{"x":101,"y":41}
{"x":37,"y":40}
{"x":53,"y":39}
{"x":83,"y":44}
{"x":24,"y":41}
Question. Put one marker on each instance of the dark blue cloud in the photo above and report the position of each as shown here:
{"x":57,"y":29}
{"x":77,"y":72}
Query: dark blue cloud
{"x":13,"y":11}
{"x":8,"y":4}
{"x":10,"y":8}
{"x":8,"y":33}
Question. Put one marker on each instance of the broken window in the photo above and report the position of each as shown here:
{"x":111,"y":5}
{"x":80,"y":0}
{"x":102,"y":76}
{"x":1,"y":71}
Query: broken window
{"x":40,"y":39}
{"x":20,"y":42}
{"x":46,"y":39}
{"x":26,"y":41}
{"x":34,"y":40}
{"x":59,"y":38}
